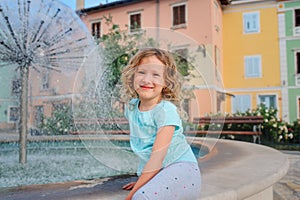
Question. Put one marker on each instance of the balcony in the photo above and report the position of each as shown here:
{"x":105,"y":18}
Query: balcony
{"x":296,"y":30}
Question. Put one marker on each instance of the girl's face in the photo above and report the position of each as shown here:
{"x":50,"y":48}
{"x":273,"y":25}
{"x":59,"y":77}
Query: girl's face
{"x":149,"y":79}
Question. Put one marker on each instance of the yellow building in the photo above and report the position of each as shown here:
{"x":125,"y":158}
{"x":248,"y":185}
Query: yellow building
{"x":251,"y":55}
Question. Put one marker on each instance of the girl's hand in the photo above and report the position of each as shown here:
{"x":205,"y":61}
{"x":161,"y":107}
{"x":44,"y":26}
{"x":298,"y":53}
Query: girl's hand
{"x":129,"y":186}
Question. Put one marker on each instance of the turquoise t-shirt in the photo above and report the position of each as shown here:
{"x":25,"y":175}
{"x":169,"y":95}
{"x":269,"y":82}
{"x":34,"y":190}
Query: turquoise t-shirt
{"x":144,"y":127}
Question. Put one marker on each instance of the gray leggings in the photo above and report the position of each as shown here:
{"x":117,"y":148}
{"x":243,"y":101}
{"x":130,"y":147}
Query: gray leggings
{"x":178,"y":181}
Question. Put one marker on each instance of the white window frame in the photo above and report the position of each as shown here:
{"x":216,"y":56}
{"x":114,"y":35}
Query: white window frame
{"x":37,"y":113}
{"x":245,"y":21}
{"x":268,"y":94}
{"x":249,"y":73}
{"x":298,"y":108}
{"x":9,"y":112}
{"x":186,"y":15}
{"x":296,"y":28}
{"x":234,"y":104}
{"x":45,"y":81}
{"x":297,"y":75}
{"x":14,"y":90}
{"x":129,"y":22}
{"x":94,"y":22}
{"x":176,"y":51}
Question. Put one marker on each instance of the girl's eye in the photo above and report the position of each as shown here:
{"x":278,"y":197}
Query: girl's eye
{"x":141,"y":72}
{"x":156,"y":75}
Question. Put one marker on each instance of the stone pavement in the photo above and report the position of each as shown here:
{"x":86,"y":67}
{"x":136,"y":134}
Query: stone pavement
{"x":288,"y":188}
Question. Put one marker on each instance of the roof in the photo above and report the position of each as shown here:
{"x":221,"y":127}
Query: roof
{"x":121,"y":3}
{"x":109,"y":6}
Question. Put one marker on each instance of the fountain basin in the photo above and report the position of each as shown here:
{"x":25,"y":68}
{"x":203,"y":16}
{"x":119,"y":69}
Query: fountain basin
{"x":232,"y":170}
{"x":52,"y":159}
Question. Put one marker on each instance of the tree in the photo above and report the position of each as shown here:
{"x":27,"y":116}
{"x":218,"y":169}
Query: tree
{"x":118,"y":47}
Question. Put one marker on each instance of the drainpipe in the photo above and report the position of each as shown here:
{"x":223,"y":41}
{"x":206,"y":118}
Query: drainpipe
{"x":79,"y":4}
{"x":157,"y":19}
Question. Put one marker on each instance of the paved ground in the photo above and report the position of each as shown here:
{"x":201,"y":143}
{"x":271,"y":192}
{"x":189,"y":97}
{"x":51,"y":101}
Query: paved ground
{"x":288,"y":188}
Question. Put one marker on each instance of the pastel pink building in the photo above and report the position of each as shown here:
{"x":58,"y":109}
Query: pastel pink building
{"x":192,"y":26}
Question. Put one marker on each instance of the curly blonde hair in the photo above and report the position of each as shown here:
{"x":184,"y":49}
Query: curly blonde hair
{"x":172,"y":89}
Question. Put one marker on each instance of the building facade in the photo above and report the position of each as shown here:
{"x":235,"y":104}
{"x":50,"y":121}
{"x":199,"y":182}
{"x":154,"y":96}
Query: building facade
{"x":289,"y":39}
{"x":200,"y":21}
{"x":251,"y":56}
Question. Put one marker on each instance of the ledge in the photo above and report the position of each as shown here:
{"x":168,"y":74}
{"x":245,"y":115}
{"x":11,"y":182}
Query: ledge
{"x":231,"y":171}
{"x":241,"y":170}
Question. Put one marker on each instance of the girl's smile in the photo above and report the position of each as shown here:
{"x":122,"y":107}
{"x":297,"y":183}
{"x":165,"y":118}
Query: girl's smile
{"x":146,"y":87}
{"x":149,"y":80}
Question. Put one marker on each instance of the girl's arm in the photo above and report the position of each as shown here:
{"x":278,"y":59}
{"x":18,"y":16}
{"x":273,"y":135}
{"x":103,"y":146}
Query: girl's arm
{"x":154,"y":164}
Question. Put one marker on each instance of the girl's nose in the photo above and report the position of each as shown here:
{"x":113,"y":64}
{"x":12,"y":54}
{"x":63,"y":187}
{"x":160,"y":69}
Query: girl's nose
{"x":147,"y":78}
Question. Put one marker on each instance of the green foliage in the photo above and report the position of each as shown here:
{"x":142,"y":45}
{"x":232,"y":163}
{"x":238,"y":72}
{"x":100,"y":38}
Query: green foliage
{"x":274,"y":129}
{"x":119,"y":46}
{"x":60,"y":123}
{"x":182,"y":65}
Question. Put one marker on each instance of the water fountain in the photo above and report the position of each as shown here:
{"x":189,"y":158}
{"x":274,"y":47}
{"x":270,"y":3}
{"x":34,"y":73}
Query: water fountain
{"x":49,"y":35}
{"x":35,"y":35}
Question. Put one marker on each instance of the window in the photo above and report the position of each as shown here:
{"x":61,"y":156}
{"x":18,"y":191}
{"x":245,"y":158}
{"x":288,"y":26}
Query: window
{"x":96,"y":29}
{"x":299,"y":108}
{"x":186,"y":106}
{"x":45,"y":81}
{"x":251,"y":22}
{"x":217,"y":63}
{"x":297,"y":17}
{"x":252,"y":66}
{"x":14,"y":114}
{"x":298,"y":63}
{"x":39,"y":112}
{"x":240,"y":103}
{"x":181,"y":56}
{"x":268,"y":100}
{"x":16,"y":87}
{"x":135,"y":22}
{"x":179,"y":15}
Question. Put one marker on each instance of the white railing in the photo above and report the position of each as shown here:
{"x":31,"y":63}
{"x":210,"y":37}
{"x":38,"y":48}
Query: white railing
{"x":297,"y":30}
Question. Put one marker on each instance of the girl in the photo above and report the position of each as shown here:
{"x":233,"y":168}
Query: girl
{"x":167,"y":167}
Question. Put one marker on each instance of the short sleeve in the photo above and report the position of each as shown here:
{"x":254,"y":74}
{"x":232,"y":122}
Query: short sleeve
{"x":167,"y":115}
{"x":129,"y":107}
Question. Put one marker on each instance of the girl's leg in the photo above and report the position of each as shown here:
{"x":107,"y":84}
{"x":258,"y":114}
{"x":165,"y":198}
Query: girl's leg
{"x":177,"y":181}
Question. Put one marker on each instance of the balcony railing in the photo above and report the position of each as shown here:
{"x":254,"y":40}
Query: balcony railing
{"x":297,"y":30}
